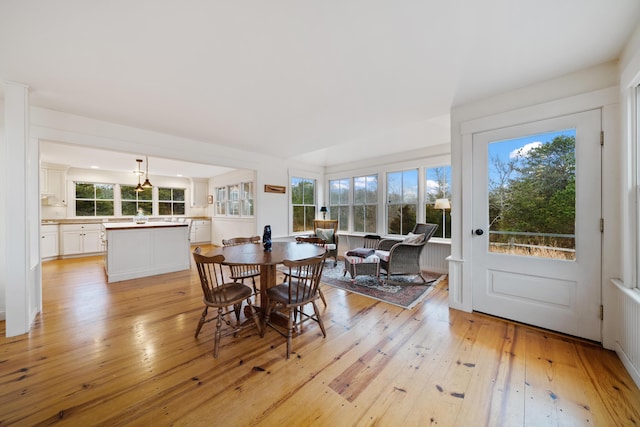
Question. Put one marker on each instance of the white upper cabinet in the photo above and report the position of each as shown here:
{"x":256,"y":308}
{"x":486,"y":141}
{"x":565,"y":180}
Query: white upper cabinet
{"x":53,"y":184}
{"x":199,"y":192}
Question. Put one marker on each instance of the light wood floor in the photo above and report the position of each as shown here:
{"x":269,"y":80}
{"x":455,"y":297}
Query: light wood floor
{"x":124,"y":354}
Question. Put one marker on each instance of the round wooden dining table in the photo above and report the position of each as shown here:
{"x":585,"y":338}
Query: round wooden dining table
{"x":252,"y":253}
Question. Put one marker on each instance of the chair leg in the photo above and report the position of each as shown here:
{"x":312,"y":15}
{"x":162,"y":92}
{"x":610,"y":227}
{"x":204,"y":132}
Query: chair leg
{"x":216,"y":345}
{"x":290,"y":331}
{"x":315,"y":309}
{"x":256,"y":320}
{"x":324,"y":301}
{"x":202,"y":320}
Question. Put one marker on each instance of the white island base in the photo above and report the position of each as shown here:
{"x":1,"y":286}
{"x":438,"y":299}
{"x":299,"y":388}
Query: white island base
{"x":140,"y":250}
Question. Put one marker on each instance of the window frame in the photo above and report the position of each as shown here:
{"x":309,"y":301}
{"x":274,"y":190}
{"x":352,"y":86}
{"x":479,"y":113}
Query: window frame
{"x":95,"y":199}
{"x":137,"y":200}
{"x":403,"y":202}
{"x":308,"y":209}
{"x":341,"y":208}
{"x":173,"y":202}
{"x":444,"y":192}
{"x":366,"y":203}
{"x":227,"y":206}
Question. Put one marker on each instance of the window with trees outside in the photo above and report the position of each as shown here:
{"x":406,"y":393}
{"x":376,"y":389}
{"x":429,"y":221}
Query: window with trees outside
{"x":303,"y":202}
{"x":438,"y":199}
{"x":171,"y":201}
{"x":131,"y":200}
{"x":402,"y":201}
{"x":532,"y":195}
{"x":339,"y":202}
{"x":365,"y":204}
{"x":93,"y":199}
{"x":246,"y":199}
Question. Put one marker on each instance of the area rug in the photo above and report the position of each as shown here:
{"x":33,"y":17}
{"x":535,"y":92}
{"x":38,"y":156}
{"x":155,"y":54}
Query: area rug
{"x":402,"y":291}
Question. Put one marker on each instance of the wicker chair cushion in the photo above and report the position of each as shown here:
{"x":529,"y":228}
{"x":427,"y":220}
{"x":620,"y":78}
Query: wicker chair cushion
{"x":383,"y":255}
{"x":326,"y":234}
{"x":371,"y":259}
{"x":413,"y":238}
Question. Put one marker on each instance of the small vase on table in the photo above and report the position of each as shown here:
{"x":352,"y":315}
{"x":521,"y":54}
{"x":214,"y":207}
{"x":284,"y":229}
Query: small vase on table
{"x":266,"y":238}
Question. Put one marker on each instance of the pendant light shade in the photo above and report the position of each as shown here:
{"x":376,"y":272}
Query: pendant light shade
{"x":139,"y":188}
{"x":147,"y":183}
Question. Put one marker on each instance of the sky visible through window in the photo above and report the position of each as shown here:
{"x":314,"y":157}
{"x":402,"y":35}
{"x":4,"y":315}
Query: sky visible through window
{"x":510,"y":149}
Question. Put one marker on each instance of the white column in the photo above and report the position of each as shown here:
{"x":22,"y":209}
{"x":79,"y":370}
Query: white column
{"x":19,"y":273}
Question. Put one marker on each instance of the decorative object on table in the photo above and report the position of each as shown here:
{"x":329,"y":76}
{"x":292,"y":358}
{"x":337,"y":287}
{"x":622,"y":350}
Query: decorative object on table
{"x":403,"y":291}
{"x":444,"y":205}
{"x":275,"y":189}
{"x":324,"y":212}
{"x":266,"y":238}
{"x":140,"y":217}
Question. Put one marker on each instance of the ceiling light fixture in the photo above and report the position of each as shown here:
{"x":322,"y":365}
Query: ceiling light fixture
{"x":139,"y":188}
{"x":146,"y":183}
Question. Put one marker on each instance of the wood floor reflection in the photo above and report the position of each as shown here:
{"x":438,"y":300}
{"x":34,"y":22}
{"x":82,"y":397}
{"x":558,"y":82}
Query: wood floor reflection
{"x":124,"y":354}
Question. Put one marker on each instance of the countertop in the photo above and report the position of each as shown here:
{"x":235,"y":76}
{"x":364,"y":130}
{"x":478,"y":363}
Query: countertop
{"x":114,"y":220}
{"x":133,"y":226}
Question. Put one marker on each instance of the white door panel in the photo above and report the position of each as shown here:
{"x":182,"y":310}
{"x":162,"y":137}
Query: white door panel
{"x":559,"y":294}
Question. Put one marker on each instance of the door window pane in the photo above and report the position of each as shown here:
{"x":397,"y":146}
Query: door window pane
{"x":532,"y":195}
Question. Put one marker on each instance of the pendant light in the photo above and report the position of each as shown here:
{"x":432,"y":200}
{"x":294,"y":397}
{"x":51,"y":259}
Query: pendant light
{"x":146,"y":183}
{"x":139,"y":188}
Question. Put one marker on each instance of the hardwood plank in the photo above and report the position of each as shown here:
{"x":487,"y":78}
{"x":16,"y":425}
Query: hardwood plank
{"x":124,"y":354}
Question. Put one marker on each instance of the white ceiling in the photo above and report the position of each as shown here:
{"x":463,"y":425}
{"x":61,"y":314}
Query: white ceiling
{"x":298,"y":78}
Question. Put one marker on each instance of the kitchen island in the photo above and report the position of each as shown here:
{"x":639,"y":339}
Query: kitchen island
{"x":140,"y":250}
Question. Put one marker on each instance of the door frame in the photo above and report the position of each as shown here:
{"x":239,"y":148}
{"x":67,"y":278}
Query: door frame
{"x":467,"y":122}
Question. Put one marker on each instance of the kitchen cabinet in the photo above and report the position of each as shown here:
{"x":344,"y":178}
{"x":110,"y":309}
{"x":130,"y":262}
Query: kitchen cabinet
{"x":53,"y":182}
{"x":81,"y":238}
{"x":49,"y":241}
{"x":199,"y":192}
{"x":200,"y":231}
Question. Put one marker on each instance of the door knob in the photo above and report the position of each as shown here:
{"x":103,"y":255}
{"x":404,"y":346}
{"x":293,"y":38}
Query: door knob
{"x":479,"y":232}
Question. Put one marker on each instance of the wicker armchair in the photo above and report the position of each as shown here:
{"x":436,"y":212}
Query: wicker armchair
{"x":330,"y":237}
{"x":402,"y":257}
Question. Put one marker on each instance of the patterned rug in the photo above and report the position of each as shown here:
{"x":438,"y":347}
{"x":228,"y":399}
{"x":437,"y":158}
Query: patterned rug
{"x":403,"y":291}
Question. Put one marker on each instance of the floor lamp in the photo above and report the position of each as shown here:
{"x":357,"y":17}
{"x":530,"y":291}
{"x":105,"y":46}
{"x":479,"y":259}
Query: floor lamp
{"x":444,"y":205}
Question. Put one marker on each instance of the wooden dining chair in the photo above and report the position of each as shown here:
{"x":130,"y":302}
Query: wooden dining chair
{"x":244,"y":271}
{"x":318,"y":242}
{"x":225,"y":297}
{"x":300,"y":289}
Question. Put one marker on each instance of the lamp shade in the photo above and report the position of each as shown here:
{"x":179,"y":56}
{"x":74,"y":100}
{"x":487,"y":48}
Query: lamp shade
{"x":323,"y":209}
{"x":442,"y":204}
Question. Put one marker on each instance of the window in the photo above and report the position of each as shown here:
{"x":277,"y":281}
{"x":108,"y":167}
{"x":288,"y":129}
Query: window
{"x":303,"y":199}
{"x":438,"y":186}
{"x":133,"y":200}
{"x":233,"y":205}
{"x":94,"y":199}
{"x":234,"y":200}
{"x":402,"y":201}
{"x":339,"y":202}
{"x":171,"y":201}
{"x":246,"y":199}
{"x":365,"y":204}
{"x":221,"y":201}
